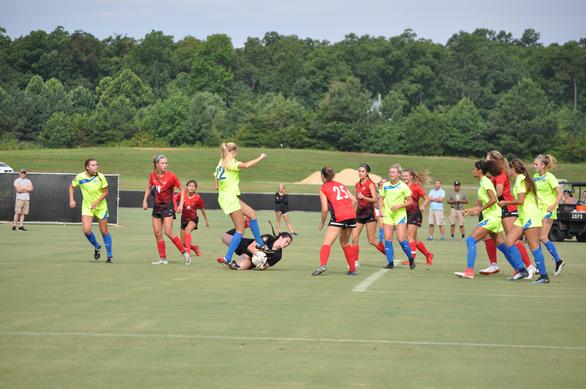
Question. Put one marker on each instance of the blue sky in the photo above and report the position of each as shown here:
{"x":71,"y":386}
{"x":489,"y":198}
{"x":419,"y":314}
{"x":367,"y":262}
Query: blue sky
{"x":558,"y":21}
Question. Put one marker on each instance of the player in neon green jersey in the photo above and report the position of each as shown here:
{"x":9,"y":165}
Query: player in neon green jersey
{"x":491,"y":223}
{"x":94,"y":189}
{"x":395,"y":197}
{"x":227,"y":176}
{"x":549,"y":194}
{"x":529,"y":220}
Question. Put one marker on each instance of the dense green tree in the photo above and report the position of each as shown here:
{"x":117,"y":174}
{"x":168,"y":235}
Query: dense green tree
{"x":212,"y":69}
{"x":152,"y":60}
{"x":465,"y":130}
{"x":425,"y":131}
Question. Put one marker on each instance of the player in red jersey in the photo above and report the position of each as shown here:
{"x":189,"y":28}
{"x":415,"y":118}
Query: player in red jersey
{"x":509,"y":215}
{"x":189,"y":219}
{"x":341,"y":204}
{"x":365,"y":212}
{"x":415,"y":181}
{"x":164,"y":182}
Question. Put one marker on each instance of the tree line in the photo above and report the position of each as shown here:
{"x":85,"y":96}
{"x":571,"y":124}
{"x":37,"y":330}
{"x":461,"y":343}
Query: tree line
{"x":403,"y":94}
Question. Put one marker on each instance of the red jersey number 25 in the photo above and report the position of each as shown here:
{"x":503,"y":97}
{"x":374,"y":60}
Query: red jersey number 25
{"x":340,"y":192}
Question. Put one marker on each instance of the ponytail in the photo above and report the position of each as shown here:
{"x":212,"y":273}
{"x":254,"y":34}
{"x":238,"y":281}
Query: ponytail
{"x":225,"y":150}
{"x":422,"y":177}
{"x":328,"y":173}
{"x":520,"y":168}
{"x":156,"y":158}
{"x":548,"y":160}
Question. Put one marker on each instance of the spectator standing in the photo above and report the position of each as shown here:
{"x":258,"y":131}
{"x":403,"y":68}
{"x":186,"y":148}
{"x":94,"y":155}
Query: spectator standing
{"x":457,"y":200}
{"x":23,"y":187}
{"x":436,"y":209}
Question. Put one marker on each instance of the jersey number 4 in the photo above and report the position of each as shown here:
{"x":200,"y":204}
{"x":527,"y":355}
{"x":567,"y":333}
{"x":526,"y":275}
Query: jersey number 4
{"x":341,"y":193}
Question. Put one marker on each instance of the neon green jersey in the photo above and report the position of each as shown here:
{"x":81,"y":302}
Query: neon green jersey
{"x":546,"y":189}
{"x":394,"y":194}
{"x":494,"y":210}
{"x":228,"y":178}
{"x":91,"y":187}
{"x":530,"y":202}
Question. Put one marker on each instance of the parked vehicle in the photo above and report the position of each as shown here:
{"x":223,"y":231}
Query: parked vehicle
{"x":4,"y":168}
{"x":571,"y":219}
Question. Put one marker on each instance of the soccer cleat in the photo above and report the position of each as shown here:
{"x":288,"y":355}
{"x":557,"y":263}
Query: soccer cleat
{"x":97,"y":254}
{"x":429,"y":260}
{"x":468,"y":273}
{"x":320,"y":270}
{"x":187,"y":258}
{"x":493,"y":268}
{"x":197,"y":250}
{"x":265,"y":249}
{"x":110,"y":260}
{"x":429,"y":238}
{"x":352,"y":273}
{"x":21,"y":228}
{"x":531,"y":271}
{"x":222,"y":260}
{"x":521,"y":274}
{"x":294,"y":234}
{"x":162,"y":261}
{"x":233,"y":265}
{"x":405,"y":262}
{"x":390,"y":266}
{"x":559,"y":265}
{"x":13,"y":228}
{"x":412,"y":264}
{"x":541,"y":280}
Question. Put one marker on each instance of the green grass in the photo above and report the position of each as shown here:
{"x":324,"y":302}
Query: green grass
{"x":283,"y":165}
{"x":68,"y":321}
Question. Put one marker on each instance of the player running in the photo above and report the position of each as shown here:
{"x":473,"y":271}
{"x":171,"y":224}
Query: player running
{"x":415,"y":181}
{"x":227,"y":177}
{"x":94,"y":189}
{"x":164,"y":182}
{"x":549,"y":194}
{"x":491,"y":223}
{"x":529,"y":220}
{"x":189,"y":219}
{"x":365,"y":212}
{"x":336,"y":198}
{"x":395,"y":198}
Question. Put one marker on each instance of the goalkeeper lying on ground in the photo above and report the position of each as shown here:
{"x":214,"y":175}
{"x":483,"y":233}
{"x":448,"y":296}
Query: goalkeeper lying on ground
{"x":249,"y":257}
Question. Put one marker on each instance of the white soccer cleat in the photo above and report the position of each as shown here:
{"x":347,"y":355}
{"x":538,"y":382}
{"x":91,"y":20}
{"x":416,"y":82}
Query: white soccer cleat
{"x":531,"y":270}
{"x":187,"y":258}
{"x":491,"y":269}
{"x":517,"y":276}
{"x":160,"y":262}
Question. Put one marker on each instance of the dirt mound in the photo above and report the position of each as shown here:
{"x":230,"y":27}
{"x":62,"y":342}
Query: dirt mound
{"x":348,"y":177}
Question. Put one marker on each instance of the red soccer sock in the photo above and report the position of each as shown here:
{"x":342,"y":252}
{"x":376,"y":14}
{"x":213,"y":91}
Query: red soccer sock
{"x":324,"y":254}
{"x":349,"y":254}
{"x":161,"y":249}
{"x":413,"y":246}
{"x":524,"y":254}
{"x":421,"y":247}
{"x":187,"y":241}
{"x":356,"y":252}
{"x":177,"y":242}
{"x":381,"y":247}
{"x":491,"y":250}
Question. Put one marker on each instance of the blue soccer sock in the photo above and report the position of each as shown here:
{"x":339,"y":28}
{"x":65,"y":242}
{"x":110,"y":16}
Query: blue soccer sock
{"x":513,"y":256}
{"x":108,"y":243}
{"x":92,"y":239}
{"x":471,"y":254}
{"x":256,"y":232}
{"x":389,"y":251}
{"x":381,"y":234}
{"x":236,"y":238}
{"x":540,"y":261}
{"x":407,"y":249}
{"x":552,"y":250}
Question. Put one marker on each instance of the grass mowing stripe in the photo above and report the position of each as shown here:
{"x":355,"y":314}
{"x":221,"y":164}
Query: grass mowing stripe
{"x":451,"y":293}
{"x":285,"y":339}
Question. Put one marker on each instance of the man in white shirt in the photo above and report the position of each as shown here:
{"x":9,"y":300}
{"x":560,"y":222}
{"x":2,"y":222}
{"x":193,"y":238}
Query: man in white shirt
{"x":23,"y":187}
{"x":436,"y":209}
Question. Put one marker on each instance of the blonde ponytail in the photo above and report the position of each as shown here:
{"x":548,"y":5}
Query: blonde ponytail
{"x":225,"y":150}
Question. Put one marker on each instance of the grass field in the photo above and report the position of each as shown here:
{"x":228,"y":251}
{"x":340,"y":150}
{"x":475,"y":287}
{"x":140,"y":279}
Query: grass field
{"x":283,"y":165}
{"x":67,"y":321}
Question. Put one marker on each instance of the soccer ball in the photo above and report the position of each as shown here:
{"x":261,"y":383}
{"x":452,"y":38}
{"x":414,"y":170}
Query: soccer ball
{"x":259,"y":259}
